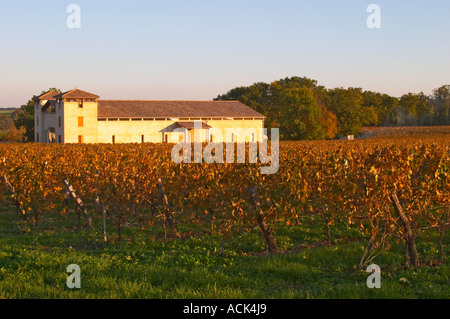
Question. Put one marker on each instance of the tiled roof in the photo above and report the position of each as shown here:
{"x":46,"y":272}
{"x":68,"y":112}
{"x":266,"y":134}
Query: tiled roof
{"x":159,"y":109}
{"x":175,"y":109}
{"x":76,"y":94}
{"x":46,"y":96}
{"x":191,"y":125}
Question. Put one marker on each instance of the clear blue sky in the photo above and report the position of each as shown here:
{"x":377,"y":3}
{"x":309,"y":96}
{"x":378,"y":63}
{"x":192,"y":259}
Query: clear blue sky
{"x":197,"y":49}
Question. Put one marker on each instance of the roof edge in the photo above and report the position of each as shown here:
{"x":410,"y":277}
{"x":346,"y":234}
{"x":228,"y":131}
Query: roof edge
{"x":91,"y":95}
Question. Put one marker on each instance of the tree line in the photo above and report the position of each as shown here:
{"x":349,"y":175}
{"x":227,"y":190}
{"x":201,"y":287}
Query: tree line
{"x":304,"y":110}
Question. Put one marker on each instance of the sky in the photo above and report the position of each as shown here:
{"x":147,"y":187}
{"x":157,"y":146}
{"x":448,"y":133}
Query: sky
{"x":198,"y":49}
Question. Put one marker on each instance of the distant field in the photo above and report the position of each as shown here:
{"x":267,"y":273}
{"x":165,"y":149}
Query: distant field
{"x":403,"y":131}
{"x":6,"y":111}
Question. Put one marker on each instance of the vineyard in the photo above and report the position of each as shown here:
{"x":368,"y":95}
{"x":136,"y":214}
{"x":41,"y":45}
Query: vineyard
{"x":385,"y":192}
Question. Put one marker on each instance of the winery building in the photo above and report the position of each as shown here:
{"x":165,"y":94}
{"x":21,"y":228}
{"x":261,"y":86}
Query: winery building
{"x":80,"y":117}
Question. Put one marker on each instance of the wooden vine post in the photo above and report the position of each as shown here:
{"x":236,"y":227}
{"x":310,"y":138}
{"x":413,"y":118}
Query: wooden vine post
{"x":369,"y":247}
{"x":100,"y":208}
{"x":79,"y":202}
{"x":104,"y":223}
{"x":168,"y":215}
{"x":409,"y":235}
{"x":266,"y":230}
{"x":211,"y":213}
{"x":66,"y":196}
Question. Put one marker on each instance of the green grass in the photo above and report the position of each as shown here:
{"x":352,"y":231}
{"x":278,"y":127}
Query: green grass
{"x":143,"y":265}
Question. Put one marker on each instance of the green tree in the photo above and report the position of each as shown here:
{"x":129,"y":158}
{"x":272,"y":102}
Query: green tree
{"x":301,"y":115}
{"x":295,"y":105}
{"x":25,"y":120}
{"x":347,"y":104}
{"x":372,"y":108}
{"x":387,"y":115}
{"x":441,"y":105}
{"x":415,"y":109}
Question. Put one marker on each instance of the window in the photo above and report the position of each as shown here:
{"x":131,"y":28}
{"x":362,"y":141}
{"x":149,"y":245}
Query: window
{"x":50,"y":108}
{"x":80,"y":121}
{"x":37,"y":137}
{"x":143,"y":139}
{"x":80,"y":139}
{"x":80,"y":103}
{"x":59,"y":139}
{"x":114,"y":139}
{"x":166,"y":138}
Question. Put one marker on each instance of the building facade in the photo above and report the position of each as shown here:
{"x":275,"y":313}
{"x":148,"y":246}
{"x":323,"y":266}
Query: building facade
{"x":80,"y":117}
